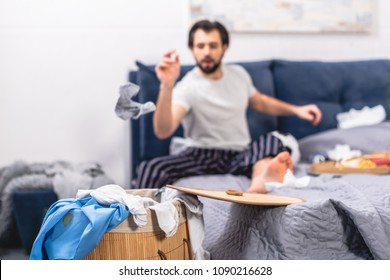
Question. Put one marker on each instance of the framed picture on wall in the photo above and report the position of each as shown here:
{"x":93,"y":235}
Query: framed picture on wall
{"x":312,"y":16}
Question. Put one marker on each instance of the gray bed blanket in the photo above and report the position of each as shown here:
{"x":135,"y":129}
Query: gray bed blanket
{"x":64,"y":178}
{"x":344,"y":217}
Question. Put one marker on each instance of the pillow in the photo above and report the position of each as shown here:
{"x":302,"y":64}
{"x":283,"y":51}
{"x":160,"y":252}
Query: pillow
{"x":367,"y":139}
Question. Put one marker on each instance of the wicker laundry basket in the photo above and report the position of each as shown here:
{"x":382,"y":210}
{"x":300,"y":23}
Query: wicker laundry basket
{"x":130,"y":242}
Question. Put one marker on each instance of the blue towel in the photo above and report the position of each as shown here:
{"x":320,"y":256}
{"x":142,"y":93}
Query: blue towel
{"x":73,"y":228}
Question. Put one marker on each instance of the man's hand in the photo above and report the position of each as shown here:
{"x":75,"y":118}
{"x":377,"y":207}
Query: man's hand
{"x":310,"y":113}
{"x":168,"y":69}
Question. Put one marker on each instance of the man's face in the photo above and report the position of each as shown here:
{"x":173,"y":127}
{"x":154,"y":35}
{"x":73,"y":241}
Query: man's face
{"x":208,"y":50}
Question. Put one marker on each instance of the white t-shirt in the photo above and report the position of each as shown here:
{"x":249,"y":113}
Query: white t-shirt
{"x":216,"y":116}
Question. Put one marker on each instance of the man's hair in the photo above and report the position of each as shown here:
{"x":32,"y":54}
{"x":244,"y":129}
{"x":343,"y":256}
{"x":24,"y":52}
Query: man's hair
{"x":208,"y":26}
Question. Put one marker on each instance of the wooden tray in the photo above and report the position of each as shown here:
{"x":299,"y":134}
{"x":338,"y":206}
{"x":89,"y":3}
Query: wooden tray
{"x":241,"y":197}
{"x":332,"y":168}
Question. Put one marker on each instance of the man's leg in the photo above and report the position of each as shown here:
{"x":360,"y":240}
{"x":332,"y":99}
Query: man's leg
{"x":161,"y":171}
{"x":154,"y":173}
{"x":270,"y":169}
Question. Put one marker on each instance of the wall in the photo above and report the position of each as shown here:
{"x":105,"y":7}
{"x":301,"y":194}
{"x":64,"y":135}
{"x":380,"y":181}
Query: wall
{"x":62,"y":62}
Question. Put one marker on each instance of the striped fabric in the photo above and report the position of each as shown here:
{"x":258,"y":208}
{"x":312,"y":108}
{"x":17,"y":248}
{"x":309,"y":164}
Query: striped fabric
{"x":161,"y":171}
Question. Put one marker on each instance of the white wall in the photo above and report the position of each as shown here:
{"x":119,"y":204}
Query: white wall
{"x":62,"y":62}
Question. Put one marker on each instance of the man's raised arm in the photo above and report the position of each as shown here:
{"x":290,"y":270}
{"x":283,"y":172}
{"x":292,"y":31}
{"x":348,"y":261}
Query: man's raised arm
{"x":167,"y":117}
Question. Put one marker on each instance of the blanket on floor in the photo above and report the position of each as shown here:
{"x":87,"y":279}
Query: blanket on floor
{"x":64,"y":178}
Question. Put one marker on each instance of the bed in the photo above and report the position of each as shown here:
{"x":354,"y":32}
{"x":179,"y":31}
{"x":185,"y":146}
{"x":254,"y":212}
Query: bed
{"x":343,"y":216}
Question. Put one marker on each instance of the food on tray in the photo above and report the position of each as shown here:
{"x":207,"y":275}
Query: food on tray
{"x":381,"y":161}
{"x":380,"y":158}
{"x":375,"y":163}
{"x":367,"y":161}
{"x":359,"y":162}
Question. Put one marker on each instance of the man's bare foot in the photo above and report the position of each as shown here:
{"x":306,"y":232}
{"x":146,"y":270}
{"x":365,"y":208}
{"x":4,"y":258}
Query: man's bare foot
{"x":270,"y":170}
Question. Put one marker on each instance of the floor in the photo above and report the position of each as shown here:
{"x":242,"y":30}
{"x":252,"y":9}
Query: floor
{"x":13,"y":254}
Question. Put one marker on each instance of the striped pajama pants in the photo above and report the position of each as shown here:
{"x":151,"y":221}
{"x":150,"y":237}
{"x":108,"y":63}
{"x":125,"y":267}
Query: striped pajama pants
{"x":161,"y":171}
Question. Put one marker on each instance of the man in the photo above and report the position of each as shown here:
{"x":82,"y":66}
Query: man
{"x":211,"y":102}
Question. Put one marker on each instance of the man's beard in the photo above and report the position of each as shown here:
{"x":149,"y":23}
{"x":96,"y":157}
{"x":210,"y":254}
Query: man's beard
{"x":211,"y":69}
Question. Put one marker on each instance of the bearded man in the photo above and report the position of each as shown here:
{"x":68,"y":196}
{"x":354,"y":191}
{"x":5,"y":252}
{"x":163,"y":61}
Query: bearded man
{"x":211,"y":102}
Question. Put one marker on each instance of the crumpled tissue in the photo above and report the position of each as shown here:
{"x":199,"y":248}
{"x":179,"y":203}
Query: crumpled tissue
{"x":290,"y":180}
{"x":343,"y":152}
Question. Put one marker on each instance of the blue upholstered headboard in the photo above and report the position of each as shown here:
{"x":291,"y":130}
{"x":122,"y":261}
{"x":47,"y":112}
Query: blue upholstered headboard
{"x":334,"y":86}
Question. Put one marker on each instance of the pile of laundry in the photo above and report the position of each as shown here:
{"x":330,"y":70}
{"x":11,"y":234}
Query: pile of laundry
{"x":64,"y":178}
{"x":72,"y":228}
